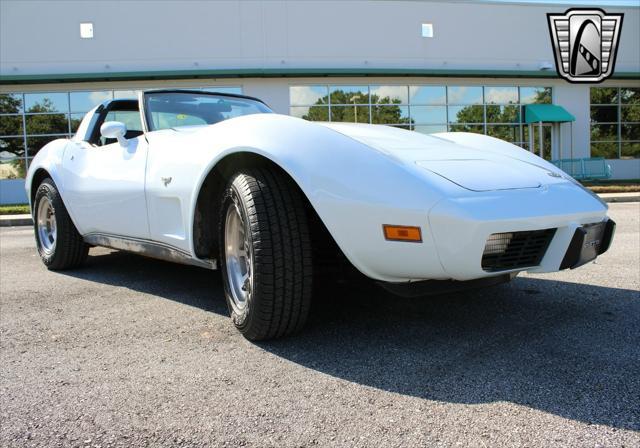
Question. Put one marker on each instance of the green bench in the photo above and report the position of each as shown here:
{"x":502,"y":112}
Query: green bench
{"x":585,"y":169}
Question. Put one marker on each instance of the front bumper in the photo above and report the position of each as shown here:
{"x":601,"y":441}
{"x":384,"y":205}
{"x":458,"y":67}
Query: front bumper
{"x":461,"y":226}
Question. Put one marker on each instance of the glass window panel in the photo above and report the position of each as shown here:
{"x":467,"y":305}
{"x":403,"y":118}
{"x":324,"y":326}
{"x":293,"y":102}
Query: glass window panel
{"x":478,"y":129}
{"x":349,"y":94}
{"x":631,"y":131}
{"x":85,"y":101}
{"x":308,"y":95}
{"x":604,"y":114}
{"x":224,"y":89}
{"x":76,"y":119}
{"x":509,"y":133}
{"x":162,"y":120}
{"x":125,"y":94}
{"x":630,"y":113}
{"x":604,"y":132}
{"x":431,"y":129}
{"x":311,"y":113}
{"x":630,"y":95}
{"x":431,"y":95}
{"x":47,"y":102}
{"x":464,"y":95}
{"x":131,"y":119}
{"x":500,"y":95}
{"x":608,"y":150}
{"x":10,"y":103}
{"x":429,"y":114}
{"x":353,"y":114}
{"x":503,"y":114}
{"x":390,"y":114}
{"x":47,"y":124}
{"x":466,"y":114}
{"x":535,"y":95}
{"x":35,"y":144}
{"x":11,"y":148}
{"x":10,"y":125}
{"x":630,"y":150}
{"x":604,"y":95}
{"x":390,"y":94}
{"x":13,"y":169}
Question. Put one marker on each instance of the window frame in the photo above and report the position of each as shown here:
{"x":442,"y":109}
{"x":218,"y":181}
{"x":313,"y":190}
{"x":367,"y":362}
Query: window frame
{"x":619,"y":123}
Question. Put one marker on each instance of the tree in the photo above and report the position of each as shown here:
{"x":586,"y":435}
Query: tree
{"x":354,"y":107}
{"x":41,"y":118}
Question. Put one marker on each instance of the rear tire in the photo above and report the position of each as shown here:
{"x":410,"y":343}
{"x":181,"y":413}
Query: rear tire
{"x":265,"y":254}
{"x":59,"y":244}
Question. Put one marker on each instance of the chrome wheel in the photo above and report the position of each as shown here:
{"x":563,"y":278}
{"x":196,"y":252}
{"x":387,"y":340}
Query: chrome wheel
{"x":47,"y":228}
{"x":237,"y":257}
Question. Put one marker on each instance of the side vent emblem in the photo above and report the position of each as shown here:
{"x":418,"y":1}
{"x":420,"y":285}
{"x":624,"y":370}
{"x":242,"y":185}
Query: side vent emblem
{"x":166,"y":180}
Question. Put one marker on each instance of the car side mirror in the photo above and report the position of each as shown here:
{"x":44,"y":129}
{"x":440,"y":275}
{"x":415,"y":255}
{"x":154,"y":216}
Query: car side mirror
{"x":114,"y":129}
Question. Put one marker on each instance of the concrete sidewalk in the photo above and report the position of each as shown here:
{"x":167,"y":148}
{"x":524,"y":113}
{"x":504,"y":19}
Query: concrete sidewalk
{"x":25,"y":220}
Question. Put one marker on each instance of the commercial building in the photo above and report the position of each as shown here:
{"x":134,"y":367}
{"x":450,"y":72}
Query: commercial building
{"x":429,"y":66}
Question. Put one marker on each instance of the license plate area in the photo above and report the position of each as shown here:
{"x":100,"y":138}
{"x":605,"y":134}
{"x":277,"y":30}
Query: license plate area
{"x":591,"y":244}
{"x":587,"y":243}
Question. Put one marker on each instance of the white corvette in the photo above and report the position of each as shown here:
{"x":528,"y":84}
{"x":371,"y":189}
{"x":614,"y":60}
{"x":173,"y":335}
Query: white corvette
{"x":219,"y":180}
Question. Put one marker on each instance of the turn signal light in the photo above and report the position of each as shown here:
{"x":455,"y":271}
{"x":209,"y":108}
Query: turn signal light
{"x":402,"y":233}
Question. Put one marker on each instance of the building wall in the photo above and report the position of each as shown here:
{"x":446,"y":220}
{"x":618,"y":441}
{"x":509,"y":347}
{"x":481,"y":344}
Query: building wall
{"x":43,"y":36}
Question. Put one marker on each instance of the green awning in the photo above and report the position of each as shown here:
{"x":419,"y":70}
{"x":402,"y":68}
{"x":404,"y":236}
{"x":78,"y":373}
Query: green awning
{"x":546,"y":113}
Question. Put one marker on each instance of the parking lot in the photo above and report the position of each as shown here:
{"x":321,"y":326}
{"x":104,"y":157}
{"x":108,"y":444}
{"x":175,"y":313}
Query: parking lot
{"x":130,"y":351}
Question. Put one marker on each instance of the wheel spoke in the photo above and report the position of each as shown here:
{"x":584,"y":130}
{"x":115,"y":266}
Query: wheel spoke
{"x":238,"y":257}
{"x":46,"y":225}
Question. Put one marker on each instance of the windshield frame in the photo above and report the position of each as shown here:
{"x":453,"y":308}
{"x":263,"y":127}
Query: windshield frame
{"x":148,"y":121}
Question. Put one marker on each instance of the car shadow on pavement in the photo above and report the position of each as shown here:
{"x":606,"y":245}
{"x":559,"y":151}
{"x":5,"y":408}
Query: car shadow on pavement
{"x":193,"y":286}
{"x":569,"y":349}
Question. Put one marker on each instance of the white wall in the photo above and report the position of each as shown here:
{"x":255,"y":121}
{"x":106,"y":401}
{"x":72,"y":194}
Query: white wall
{"x":43,"y":36}
{"x":576,"y":100}
{"x":624,"y":168}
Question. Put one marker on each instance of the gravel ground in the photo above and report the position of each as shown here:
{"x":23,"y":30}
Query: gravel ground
{"x":136,"y":352}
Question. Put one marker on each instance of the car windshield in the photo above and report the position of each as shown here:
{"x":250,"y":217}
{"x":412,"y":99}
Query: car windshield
{"x":166,"y":110}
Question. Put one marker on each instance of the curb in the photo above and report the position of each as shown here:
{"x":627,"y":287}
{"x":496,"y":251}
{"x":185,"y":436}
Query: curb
{"x":15,"y":220}
{"x":620,"y":199}
{"x":26,"y":220}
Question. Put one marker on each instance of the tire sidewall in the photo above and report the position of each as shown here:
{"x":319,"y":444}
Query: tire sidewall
{"x":241,"y":317}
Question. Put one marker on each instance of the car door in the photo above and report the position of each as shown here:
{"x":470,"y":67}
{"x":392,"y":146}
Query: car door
{"x":104,"y":181}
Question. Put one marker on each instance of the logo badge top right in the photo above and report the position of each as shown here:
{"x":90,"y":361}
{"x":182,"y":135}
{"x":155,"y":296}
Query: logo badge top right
{"x":585,"y":43}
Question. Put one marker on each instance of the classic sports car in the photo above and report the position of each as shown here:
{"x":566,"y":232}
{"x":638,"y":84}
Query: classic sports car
{"x":219,"y":180}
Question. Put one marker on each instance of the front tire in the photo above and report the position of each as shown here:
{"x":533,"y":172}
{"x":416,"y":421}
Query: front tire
{"x":265,"y":254}
{"x":59,"y":244}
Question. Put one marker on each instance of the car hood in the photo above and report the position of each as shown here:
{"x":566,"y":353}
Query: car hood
{"x":486,"y":169}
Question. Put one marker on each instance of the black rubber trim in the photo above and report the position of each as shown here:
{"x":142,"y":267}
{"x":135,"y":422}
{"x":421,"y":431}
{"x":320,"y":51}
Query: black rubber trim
{"x":607,"y":236}
{"x":572,"y":256}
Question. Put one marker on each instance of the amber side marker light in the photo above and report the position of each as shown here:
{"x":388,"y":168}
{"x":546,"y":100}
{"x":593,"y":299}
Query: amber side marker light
{"x":402,"y":233}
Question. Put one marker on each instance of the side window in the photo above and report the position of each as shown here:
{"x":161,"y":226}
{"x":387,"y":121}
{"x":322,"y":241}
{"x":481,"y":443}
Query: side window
{"x":131,"y":119}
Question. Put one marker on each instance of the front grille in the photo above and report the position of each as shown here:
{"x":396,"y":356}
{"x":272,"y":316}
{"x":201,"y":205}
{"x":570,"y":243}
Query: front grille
{"x":513,"y":250}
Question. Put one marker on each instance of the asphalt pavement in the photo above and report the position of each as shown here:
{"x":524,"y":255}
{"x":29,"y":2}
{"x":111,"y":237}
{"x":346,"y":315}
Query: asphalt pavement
{"x":136,"y":352}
